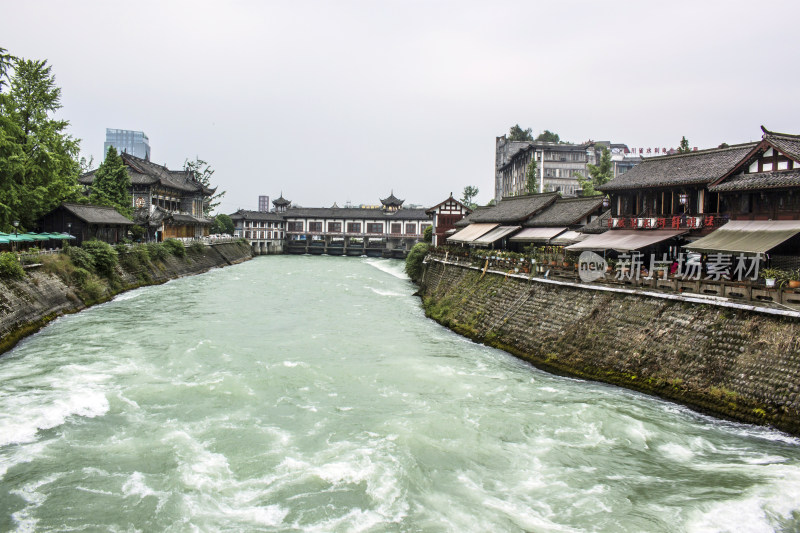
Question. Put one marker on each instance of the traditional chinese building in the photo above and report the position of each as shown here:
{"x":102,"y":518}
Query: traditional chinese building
{"x":86,"y":222}
{"x":444,"y":216}
{"x":491,"y":226}
{"x":168,"y":203}
{"x":558,"y":223}
{"x":390,"y":230}
{"x":264,"y":231}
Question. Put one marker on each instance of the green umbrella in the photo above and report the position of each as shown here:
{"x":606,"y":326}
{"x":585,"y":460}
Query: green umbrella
{"x":20,"y":237}
{"x":39,"y":236}
{"x":4,"y":239}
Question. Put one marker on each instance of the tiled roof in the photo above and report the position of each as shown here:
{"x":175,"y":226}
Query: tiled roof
{"x":280,"y":201}
{"x":243,"y":214}
{"x":96,"y":214}
{"x":565,"y":212}
{"x":785,"y":143}
{"x":699,"y":167}
{"x":392,"y":200}
{"x":467,"y":220}
{"x":354,"y":213}
{"x":760,"y":180}
{"x":514,"y":209}
{"x":143,"y":172}
{"x":598,"y":225}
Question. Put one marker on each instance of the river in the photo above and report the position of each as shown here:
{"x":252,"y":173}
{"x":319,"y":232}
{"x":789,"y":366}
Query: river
{"x":297,"y":393}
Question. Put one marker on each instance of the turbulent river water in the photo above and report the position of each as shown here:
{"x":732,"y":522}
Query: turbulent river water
{"x":312,"y":394}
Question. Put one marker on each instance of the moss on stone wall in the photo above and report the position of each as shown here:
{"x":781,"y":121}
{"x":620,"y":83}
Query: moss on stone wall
{"x":737,"y":364}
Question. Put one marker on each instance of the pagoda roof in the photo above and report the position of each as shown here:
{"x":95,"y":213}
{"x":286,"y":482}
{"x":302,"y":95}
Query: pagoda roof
{"x":392,"y":201}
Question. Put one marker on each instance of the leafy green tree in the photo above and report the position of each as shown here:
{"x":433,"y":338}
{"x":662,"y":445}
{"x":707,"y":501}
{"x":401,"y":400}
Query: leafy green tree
{"x":202,"y":173}
{"x":222,"y":224}
{"x":414,"y":260}
{"x":112,"y":184}
{"x":598,"y":174}
{"x":548,"y":137}
{"x":38,"y":160}
{"x":684,"y":146}
{"x":427,"y":235}
{"x":469,"y":195}
{"x":531,"y":176}
{"x":515,"y":133}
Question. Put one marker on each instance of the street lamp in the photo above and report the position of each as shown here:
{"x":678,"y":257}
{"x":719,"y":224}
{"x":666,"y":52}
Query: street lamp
{"x":69,"y":228}
{"x":15,"y":223}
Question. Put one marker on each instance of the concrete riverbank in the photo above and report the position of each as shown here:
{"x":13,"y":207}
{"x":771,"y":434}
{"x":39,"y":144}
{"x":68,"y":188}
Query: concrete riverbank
{"x":729,"y":361}
{"x":28,"y":304}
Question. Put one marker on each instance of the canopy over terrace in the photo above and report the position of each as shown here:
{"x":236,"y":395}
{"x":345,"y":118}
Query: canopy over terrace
{"x":568,"y":237}
{"x":537,"y":234}
{"x":494,"y":235}
{"x":624,"y":240}
{"x":470,"y":233}
{"x":748,"y":236}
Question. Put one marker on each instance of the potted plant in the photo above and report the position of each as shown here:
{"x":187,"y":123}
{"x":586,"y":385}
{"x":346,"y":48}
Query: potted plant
{"x":771,"y":275}
{"x":794,"y":278}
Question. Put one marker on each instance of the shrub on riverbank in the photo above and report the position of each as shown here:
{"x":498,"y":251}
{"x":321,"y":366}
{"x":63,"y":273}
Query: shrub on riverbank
{"x":10,"y":267}
{"x":175,"y":247}
{"x":414,"y":260}
{"x":104,"y":257}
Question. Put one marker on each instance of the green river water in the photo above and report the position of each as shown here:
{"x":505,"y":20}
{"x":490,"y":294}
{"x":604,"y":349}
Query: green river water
{"x":311,"y":394}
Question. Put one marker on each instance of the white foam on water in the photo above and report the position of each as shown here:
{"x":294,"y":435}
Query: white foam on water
{"x":29,"y":413}
{"x":135,"y":486}
{"x":762,"y":508}
{"x":391,"y":267}
{"x":380,"y":292}
{"x":676,"y":452}
{"x":33,"y":498}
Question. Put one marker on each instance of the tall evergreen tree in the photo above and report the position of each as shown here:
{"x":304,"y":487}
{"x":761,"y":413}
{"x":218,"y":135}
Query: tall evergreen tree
{"x":38,"y":159}
{"x":598,"y":174}
{"x":684,"y":146}
{"x":531,"y":176}
{"x":468,"y":196}
{"x":112,"y":184}
{"x":202,"y":173}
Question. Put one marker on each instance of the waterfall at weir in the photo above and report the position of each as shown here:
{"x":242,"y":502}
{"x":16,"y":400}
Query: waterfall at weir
{"x":296,"y":393}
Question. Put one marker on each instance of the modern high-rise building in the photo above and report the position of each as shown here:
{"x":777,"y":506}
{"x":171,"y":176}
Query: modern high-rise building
{"x":263,"y":204}
{"x":131,"y":142}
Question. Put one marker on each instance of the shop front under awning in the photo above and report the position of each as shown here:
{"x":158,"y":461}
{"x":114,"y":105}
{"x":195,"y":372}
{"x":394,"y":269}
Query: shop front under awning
{"x":748,"y":236}
{"x":495,"y":235}
{"x":624,"y":240}
{"x":537,"y":234}
{"x":471,"y":232}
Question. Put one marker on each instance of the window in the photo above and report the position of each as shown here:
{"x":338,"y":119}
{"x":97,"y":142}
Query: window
{"x":295,"y":226}
{"x":411,"y":229}
{"x":315,"y":227}
{"x":397,"y":228}
{"x":374,"y":227}
{"x":354,"y":227}
{"x":334,"y":227}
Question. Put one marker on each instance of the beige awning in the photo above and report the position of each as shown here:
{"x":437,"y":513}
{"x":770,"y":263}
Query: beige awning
{"x":471,"y":232}
{"x":625,"y":240}
{"x":495,"y":235}
{"x":537,"y":234}
{"x":749,"y":236}
{"x":568,"y":237}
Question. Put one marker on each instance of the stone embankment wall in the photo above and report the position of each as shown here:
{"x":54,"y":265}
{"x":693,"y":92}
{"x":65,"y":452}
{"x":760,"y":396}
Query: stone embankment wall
{"x":29,"y":304}
{"x":734,"y":363}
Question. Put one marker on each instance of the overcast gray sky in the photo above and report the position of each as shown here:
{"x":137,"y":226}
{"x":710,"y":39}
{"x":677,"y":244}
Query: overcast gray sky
{"x":348,"y":100}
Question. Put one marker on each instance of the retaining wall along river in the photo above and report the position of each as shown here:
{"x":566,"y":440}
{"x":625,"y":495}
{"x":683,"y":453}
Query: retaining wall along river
{"x":731,"y":362}
{"x":28,"y":304}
